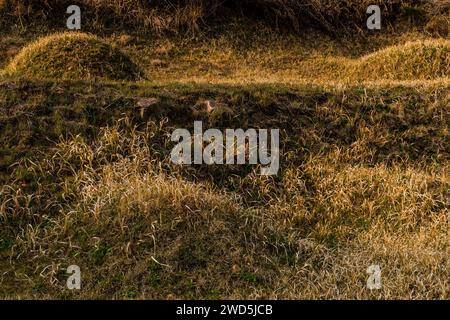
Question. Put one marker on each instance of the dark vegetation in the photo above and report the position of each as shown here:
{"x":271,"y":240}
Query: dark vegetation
{"x":192,"y":15}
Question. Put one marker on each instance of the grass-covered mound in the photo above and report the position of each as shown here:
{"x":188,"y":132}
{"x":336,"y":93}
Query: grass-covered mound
{"x":418,"y":60}
{"x":73,"y":56}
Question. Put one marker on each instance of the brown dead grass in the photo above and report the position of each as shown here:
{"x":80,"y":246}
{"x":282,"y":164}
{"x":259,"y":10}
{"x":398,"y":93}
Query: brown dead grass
{"x":191,"y":15}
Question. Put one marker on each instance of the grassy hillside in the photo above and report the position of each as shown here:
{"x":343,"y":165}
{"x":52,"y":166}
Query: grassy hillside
{"x":86,"y":176}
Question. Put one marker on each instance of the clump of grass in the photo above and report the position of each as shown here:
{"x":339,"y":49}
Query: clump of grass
{"x":73,"y":56}
{"x":422,"y":60}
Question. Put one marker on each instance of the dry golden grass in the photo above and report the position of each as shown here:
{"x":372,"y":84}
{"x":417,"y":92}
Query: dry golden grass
{"x":151,"y":231}
{"x":420,"y":60}
{"x":298,"y":60}
{"x":392,"y":216}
